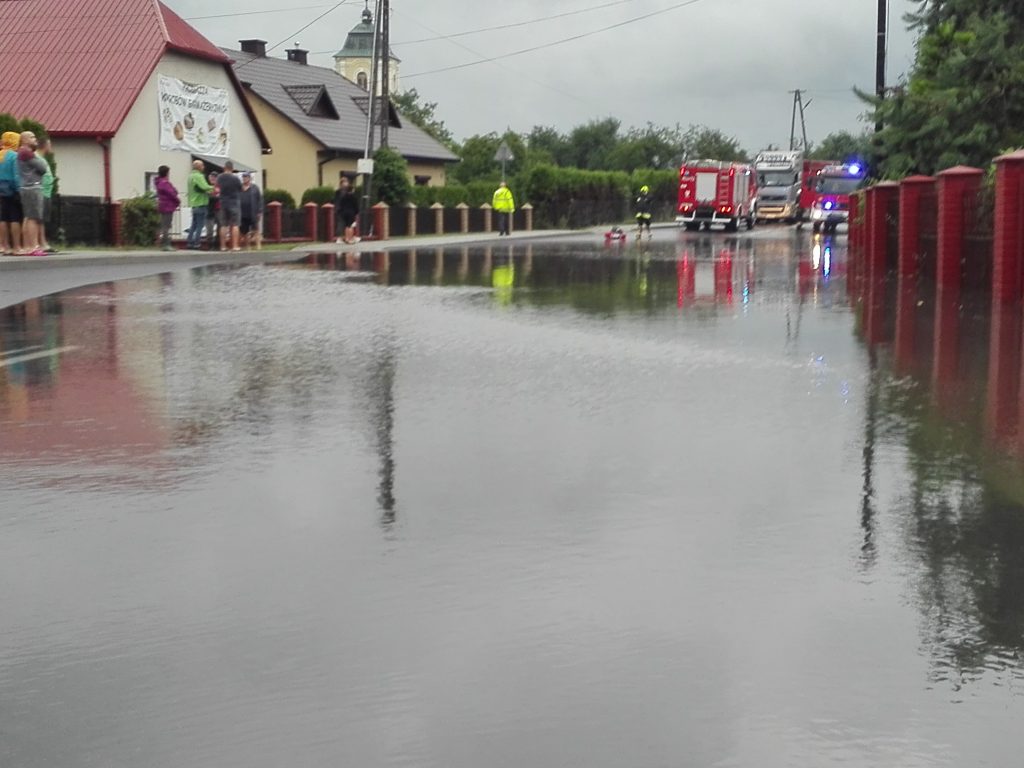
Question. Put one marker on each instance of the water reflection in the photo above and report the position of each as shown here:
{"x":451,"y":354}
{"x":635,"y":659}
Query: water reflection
{"x":692,"y":273}
{"x":711,"y":475}
{"x":949,"y":395}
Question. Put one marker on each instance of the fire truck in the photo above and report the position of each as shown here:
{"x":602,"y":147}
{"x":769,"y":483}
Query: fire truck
{"x":810,"y":175}
{"x":779,"y":184}
{"x":716,"y":192}
{"x":832,"y":187}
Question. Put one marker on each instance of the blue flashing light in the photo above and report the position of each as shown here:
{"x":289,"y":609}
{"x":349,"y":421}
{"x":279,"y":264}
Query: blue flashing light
{"x":854,"y":169}
{"x":828,"y":205}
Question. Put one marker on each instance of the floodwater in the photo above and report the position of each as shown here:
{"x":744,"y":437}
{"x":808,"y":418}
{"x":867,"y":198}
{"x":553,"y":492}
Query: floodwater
{"x":527,"y":505}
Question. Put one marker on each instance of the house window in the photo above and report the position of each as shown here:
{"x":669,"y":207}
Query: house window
{"x":361,"y":81}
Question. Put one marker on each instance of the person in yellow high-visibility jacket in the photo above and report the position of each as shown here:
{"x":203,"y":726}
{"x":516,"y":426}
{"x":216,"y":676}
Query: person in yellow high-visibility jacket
{"x":504,"y":205}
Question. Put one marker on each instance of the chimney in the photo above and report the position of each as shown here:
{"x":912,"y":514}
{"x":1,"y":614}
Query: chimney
{"x":255,"y":47}
{"x":297,"y":55}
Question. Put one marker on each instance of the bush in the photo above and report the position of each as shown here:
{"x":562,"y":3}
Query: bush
{"x":140,"y":221}
{"x":569,"y":197}
{"x":391,"y":178}
{"x":474,"y":194}
{"x":318,"y":195}
{"x":282,"y":196}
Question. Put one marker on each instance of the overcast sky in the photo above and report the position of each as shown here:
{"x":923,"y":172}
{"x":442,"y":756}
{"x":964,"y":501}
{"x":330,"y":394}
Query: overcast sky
{"x":728,"y":64}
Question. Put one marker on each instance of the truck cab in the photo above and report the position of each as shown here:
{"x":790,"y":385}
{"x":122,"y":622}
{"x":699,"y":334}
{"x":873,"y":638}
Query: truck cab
{"x":833,"y":186}
{"x":779,"y":184}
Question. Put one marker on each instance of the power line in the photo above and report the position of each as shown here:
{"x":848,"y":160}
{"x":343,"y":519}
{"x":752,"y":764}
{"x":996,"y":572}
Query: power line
{"x":296,"y":32}
{"x":515,"y":24}
{"x":442,"y":36}
{"x":483,"y":59}
{"x":553,"y":43}
{"x":254,"y":13}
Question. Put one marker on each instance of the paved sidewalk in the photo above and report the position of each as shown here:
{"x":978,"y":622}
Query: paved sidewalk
{"x":25,"y":277}
{"x":445,"y":241}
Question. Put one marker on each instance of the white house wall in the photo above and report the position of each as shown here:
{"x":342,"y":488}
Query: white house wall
{"x":136,"y":147}
{"x":79,"y":166}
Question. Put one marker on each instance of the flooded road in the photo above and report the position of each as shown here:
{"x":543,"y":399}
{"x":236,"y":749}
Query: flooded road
{"x":526,"y":505}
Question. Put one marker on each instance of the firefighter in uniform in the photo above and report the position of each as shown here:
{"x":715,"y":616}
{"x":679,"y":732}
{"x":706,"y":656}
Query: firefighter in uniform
{"x":643,"y":211}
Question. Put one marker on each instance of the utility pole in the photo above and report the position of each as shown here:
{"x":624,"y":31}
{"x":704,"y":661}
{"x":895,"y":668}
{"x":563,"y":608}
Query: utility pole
{"x":385,"y":77}
{"x":883,"y":13}
{"x":798,"y":106}
{"x":366,"y":164}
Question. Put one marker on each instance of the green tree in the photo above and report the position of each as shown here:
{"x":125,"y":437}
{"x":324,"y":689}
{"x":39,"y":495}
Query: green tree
{"x":963,"y":101}
{"x":547,"y":145}
{"x":477,"y":153}
{"x":703,"y":142}
{"x":842,"y":145}
{"x":648,"y":147}
{"x":591,"y":144}
{"x":423,"y":113}
{"x":391,"y":177}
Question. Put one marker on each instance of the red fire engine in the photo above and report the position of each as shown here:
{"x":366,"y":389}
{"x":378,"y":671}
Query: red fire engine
{"x":832,"y":187}
{"x":716,"y":192}
{"x":807,"y":181}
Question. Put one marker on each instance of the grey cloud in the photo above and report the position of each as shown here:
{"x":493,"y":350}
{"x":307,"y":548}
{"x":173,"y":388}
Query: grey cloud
{"x":726,"y":63}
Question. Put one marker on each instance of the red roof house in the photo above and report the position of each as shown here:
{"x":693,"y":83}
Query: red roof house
{"x":90,"y":71}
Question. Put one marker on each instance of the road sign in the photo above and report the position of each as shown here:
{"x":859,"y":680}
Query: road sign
{"x":504,"y":153}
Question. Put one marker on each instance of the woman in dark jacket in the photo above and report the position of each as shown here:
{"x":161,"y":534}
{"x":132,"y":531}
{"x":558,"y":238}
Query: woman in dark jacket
{"x":346,"y":210}
{"x":167,"y":202}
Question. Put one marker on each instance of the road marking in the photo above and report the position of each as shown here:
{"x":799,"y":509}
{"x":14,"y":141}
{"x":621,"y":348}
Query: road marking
{"x":35,"y":356}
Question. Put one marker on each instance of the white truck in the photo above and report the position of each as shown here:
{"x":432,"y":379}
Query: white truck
{"x":779,"y":182}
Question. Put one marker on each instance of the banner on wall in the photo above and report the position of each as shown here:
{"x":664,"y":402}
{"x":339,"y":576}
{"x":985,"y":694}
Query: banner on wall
{"x":193,"y":117}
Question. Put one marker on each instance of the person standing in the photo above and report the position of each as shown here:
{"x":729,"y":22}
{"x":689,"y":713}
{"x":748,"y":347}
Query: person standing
{"x":230,"y":187}
{"x":198,"y":191}
{"x":10,"y":200}
{"x":31,"y":169}
{"x":252,"y":212}
{"x":213,"y":213}
{"x":643,"y":211}
{"x":45,"y":148}
{"x":167,"y":202}
{"x":504,"y":204}
{"x":346,"y":210}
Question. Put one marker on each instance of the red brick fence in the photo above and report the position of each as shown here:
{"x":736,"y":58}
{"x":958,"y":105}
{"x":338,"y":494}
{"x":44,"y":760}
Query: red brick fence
{"x":317,"y":222}
{"x":919,"y":251}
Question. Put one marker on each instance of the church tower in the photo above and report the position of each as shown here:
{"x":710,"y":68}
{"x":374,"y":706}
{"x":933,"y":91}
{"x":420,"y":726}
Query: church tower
{"x":353,"y":60}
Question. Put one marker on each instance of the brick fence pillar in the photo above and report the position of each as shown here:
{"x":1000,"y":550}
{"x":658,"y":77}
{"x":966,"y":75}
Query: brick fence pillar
{"x":1008,"y":234}
{"x":528,"y":217}
{"x":955,"y":186}
{"x":876,"y":257}
{"x":311,"y":211}
{"x":116,"y":236}
{"x":381,"y":221}
{"x":438,"y":210}
{"x":880,"y":198}
{"x":912,"y":190}
{"x":463,"y":210}
{"x":273,"y":232}
{"x":488,"y":217}
{"x":327,"y":212}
